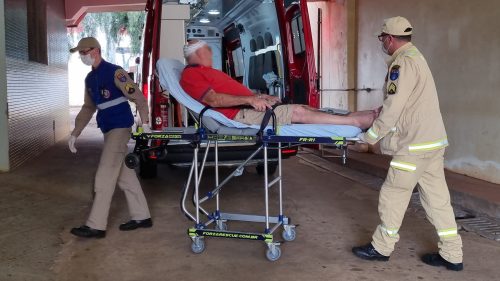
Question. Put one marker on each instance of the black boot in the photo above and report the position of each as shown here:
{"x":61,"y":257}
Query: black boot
{"x":368,"y":252}
{"x":87,"y":232}
{"x":435,"y":259}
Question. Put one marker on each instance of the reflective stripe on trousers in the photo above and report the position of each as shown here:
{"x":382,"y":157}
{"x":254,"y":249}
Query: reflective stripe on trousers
{"x":390,"y":231}
{"x":450,"y":232}
{"x":405,"y":166}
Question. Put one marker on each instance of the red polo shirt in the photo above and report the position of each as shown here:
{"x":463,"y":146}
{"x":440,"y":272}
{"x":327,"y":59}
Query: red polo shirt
{"x":197,"y":80}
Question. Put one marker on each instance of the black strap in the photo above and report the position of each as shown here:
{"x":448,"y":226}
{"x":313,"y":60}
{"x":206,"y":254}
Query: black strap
{"x":200,"y":116}
{"x":265,"y":121}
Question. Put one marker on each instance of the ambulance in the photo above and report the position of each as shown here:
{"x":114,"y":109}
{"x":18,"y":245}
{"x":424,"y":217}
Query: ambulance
{"x":264,"y":44}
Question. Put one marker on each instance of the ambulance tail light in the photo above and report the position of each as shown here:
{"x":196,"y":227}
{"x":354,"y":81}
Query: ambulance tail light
{"x":145,"y":90}
{"x":289,"y":152}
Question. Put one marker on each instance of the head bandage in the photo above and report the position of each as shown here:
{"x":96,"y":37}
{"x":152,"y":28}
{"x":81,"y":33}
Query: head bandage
{"x":190,"y":49}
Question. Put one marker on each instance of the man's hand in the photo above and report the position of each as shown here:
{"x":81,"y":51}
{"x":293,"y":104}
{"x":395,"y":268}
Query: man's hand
{"x":71,"y":144}
{"x":260,"y":104}
{"x":271,"y":99}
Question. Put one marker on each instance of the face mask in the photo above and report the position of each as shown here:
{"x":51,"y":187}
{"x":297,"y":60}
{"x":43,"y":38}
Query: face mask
{"x":384,"y":49}
{"x":87,"y":59}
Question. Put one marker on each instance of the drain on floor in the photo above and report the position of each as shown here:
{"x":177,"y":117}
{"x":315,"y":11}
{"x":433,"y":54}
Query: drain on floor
{"x":483,"y":226}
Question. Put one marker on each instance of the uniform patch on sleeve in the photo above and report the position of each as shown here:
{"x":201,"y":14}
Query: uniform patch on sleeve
{"x":130,"y":88}
{"x":392,"y":89}
{"x":121,"y":76}
{"x":394,"y":73}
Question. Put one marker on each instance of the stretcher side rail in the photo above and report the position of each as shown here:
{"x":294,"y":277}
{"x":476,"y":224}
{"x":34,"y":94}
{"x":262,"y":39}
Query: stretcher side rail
{"x":228,"y":130}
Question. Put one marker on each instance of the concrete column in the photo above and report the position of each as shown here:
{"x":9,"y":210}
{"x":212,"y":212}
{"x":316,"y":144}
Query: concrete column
{"x":4,"y":130}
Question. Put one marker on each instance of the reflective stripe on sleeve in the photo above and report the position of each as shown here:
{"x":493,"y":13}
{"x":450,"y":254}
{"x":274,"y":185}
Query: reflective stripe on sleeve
{"x":450,"y":232}
{"x":429,"y":145}
{"x":372,"y":134}
{"x":404,"y":166}
{"x":111,"y":103}
{"x":390,"y":231}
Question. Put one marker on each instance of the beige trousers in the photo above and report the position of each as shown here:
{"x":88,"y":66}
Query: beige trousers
{"x":405,"y":172}
{"x":112,"y":172}
{"x":251,"y":116}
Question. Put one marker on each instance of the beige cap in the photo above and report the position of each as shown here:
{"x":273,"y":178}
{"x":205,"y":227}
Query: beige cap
{"x":397,"y":26}
{"x":86,"y":43}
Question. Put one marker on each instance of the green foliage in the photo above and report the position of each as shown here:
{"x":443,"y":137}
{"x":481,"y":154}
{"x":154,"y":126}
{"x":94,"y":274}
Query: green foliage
{"x":115,"y":26}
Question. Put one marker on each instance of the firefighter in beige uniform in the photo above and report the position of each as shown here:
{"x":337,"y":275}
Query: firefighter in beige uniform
{"x":108,"y":88}
{"x":411,"y":129}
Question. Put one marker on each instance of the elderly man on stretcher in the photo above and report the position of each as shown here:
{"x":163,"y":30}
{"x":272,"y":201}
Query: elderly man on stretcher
{"x":214,"y":88}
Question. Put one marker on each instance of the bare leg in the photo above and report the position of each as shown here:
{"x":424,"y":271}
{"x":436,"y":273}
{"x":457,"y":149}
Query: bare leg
{"x":362,"y":112}
{"x":308,"y":115}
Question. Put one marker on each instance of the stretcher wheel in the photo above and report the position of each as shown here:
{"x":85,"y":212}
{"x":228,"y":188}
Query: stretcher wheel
{"x":273,"y":253}
{"x":289,"y":235}
{"x":198,"y":245}
{"x":132,"y":161}
{"x":271,"y":169}
{"x":221,"y":225}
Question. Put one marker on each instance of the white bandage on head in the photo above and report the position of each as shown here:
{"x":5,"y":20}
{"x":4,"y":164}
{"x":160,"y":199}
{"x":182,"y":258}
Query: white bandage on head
{"x":191,"y":48}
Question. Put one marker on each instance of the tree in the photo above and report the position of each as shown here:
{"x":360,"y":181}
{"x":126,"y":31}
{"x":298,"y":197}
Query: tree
{"x":115,"y":26}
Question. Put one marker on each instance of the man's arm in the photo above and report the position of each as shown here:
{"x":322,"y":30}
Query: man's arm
{"x":214,"y":99}
{"x":132,"y":92}
{"x":85,"y":114}
{"x":398,"y":92}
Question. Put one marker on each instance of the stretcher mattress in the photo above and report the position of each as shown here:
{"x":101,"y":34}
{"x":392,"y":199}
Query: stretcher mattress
{"x":169,"y":72}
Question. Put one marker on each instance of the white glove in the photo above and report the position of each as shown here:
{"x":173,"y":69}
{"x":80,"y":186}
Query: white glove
{"x":71,"y":144}
{"x":146,"y":129}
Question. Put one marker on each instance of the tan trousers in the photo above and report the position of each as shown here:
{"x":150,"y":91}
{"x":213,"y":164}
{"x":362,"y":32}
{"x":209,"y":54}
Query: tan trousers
{"x":111,"y":172}
{"x":251,"y":116}
{"x":405,"y":172}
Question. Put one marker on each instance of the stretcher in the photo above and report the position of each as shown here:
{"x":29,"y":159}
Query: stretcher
{"x":214,"y":129}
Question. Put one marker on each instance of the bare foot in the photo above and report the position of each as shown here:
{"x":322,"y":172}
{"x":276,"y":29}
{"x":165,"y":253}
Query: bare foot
{"x":364,"y":121}
{"x":374,"y":112}
{"x":359,"y":113}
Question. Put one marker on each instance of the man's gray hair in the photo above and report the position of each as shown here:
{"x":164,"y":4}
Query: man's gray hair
{"x":191,"y":47}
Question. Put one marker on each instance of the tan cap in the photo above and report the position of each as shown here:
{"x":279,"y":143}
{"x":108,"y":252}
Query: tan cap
{"x":86,"y":43}
{"x":397,"y":26}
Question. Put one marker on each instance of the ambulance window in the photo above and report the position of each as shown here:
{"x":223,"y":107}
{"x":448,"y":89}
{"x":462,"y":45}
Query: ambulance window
{"x":298,"y":35}
{"x":239,"y":67}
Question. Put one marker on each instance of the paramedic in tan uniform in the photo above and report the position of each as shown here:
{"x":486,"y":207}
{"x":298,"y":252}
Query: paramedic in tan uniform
{"x":108,"y":88}
{"x":411,"y":129}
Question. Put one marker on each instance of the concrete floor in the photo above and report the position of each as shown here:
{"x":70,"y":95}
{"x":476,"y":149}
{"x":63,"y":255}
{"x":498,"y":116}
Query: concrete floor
{"x":41,"y":201}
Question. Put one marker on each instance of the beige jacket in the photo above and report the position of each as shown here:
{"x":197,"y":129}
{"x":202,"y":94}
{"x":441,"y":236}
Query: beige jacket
{"x":410,"y":122}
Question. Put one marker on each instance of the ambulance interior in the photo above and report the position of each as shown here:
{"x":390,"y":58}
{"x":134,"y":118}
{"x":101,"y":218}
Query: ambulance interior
{"x":245,"y":40}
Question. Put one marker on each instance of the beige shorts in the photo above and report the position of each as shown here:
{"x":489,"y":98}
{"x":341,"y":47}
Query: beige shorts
{"x":252,"y":117}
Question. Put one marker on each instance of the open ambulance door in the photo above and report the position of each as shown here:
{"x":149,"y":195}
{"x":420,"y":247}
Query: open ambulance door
{"x":301,"y":87}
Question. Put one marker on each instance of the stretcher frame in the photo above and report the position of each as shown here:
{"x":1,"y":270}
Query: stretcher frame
{"x":215,"y":223}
